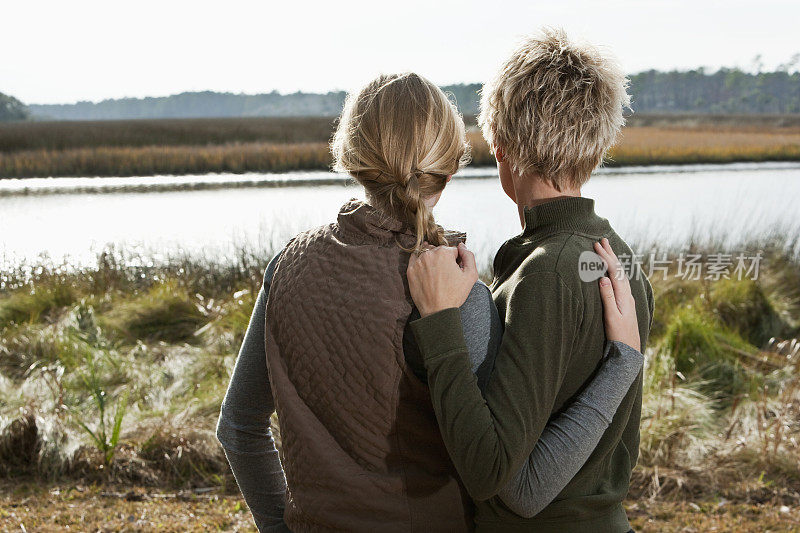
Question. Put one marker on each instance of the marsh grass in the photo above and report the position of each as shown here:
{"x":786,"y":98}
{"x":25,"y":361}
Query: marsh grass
{"x":106,"y":432}
{"x":122,"y":380}
{"x":141,"y":348}
{"x":721,"y":406}
{"x":673,"y":145}
{"x":65,"y":135}
{"x":162,"y":313}
{"x":36,"y":304}
{"x":237,"y":158}
{"x":196,"y":146}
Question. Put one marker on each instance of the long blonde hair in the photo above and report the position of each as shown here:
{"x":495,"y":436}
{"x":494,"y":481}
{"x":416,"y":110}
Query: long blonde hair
{"x":401,"y":138}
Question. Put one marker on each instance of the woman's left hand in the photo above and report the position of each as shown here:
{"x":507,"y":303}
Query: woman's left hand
{"x":619,"y":307}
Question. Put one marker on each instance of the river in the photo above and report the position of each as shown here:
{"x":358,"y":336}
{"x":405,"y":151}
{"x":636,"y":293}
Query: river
{"x":665,"y":207}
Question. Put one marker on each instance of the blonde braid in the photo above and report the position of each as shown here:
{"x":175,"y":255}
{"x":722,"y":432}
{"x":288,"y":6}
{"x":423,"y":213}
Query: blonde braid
{"x":401,"y":138}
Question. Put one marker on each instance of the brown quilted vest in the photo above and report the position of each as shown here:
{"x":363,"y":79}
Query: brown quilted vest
{"x":360,"y":444}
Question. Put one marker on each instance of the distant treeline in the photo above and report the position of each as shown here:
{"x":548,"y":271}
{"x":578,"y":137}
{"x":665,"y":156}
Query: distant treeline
{"x":695,"y":91}
{"x":723,"y":91}
{"x":205,"y":104}
{"x":12,"y":109}
{"x":209,"y":104}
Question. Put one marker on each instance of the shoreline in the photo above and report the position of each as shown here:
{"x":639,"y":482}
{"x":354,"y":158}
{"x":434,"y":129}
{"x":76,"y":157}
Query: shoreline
{"x":195,"y":182}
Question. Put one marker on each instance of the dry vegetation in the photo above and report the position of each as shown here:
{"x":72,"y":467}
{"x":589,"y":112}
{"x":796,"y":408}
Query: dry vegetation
{"x":194,"y":146}
{"x":155,"y":160}
{"x":673,"y":145}
{"x":111,"y":378}
{"x":94,"y":508}
{"x":63,"y":135}
{"x":718,"y":516}
{"x":108,"y":508}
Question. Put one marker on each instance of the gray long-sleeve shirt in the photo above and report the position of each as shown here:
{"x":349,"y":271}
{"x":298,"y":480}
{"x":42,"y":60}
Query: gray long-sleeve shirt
{"x":244,"y":430}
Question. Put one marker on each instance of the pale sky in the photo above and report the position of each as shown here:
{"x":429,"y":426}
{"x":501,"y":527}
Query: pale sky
{"x":64,"y":51}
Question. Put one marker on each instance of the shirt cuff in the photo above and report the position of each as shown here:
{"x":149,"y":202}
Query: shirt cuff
{"x":440,"y":333}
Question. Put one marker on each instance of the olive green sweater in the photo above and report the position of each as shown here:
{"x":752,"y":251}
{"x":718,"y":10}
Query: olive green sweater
{"x":552,"y":345}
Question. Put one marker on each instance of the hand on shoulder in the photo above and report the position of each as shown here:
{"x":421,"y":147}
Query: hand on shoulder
{"x":441,"y":277}
{"x":619,"y":307}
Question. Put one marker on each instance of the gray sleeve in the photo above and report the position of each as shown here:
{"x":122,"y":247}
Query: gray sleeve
{"x":483,"y":331}
{"x":570,"y":438}
{"x":244,"y":429}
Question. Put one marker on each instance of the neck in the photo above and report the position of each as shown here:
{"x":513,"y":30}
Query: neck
{"x":531,"y":191}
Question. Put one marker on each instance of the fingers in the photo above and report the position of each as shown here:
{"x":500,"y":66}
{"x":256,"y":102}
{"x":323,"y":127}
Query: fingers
{"x":623,"y":284}
{"x":610,"y":308}
{"x":413,"y":259}
{"x":434,"y":253}
{"x":437,"y":281}
{"x":616,"y":272}
{"x":444,"y":254}
{"x":619,"y":307}
{"x":467,"y":258}
{"x":611,"y":261}
{"x":433,"y":258}
{"x":446,"y":251}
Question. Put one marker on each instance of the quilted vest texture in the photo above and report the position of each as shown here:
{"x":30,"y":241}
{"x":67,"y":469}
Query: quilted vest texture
{"x":361,"y":447}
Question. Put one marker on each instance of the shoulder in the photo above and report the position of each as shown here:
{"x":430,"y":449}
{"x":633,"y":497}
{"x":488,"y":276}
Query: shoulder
{"x":307,"y":240}
{"x":296,"y":245}
{"x":539,"y":289}
{"x":544,"y":255}
{"x":479,"y":297}
{"x":554,"y":261}
{"x":648,"y":288}
{"x":479,"y":306}
{"x":269,"y":273}
{"x":309,"y":236}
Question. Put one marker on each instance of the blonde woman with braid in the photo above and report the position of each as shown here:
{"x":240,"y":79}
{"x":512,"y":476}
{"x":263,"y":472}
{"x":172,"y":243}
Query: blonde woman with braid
{"x":330,"y":350}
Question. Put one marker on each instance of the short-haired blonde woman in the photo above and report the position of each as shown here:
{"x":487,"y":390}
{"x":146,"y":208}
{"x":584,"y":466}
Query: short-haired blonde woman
{"x":550,"y":115}
{"x":330,"y":349}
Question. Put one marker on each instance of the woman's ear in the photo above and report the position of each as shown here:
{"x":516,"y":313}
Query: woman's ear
{"x":500,"y":154}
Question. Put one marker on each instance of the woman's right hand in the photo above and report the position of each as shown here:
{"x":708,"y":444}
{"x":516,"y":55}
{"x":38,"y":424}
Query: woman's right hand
{"x":619,"y":307}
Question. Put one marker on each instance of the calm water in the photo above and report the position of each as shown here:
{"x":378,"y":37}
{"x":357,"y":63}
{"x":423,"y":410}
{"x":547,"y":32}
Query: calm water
{"x":668,"y":206}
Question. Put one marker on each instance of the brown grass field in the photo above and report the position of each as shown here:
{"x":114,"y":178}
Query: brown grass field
{"x":676,"y":145}
{"x":197,"y":146}
{"x":63,"y":135}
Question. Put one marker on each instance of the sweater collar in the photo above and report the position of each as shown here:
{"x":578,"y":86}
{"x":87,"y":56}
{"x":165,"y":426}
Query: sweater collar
{"x":573,"y":213}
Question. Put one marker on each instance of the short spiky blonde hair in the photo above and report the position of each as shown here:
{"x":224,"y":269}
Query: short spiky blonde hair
{"x":555,"y":108}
